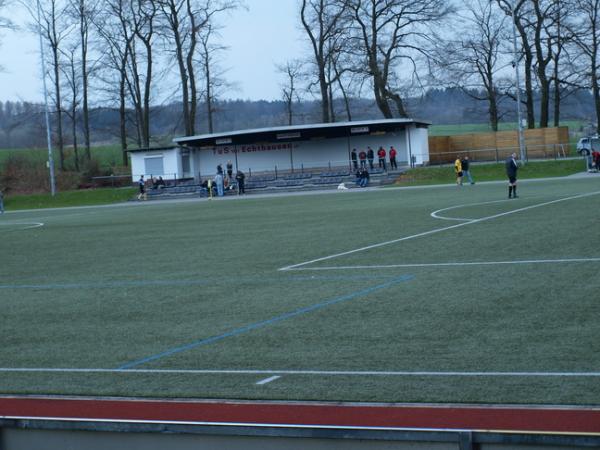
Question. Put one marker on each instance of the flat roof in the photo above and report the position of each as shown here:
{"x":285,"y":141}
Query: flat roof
{"x":299,"y":132}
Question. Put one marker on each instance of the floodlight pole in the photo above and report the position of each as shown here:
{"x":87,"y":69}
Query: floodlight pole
{"x":48,"y":136}
{"x":522,"y":151}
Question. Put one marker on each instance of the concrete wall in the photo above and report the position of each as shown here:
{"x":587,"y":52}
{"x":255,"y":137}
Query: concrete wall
{"x":27,"y":434}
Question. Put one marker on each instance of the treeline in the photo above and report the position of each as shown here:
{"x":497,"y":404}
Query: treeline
{"x":22,"y":124}
{"x":110,"y":62}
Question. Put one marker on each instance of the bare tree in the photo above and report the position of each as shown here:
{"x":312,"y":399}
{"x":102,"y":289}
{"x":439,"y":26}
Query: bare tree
{"x":521,"y":13}
{"x":472,"y":60}
{"x":586,"y":34}
{"x":323,"y":22}
{"x":141,"y":64}
{"x":55,"y":27}
{"x":562,"y":72}
{"x":292,"y":70}
{"x":191,"y":27}
{"x":4,"y":21}
{"x":116,"y":36}
{"x":390,"y":33}
{"x":545,"y":15}
{"x":83,"y":13}
{"x":72,"y":77}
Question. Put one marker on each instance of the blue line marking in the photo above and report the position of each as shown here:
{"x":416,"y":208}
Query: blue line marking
{"x":265,"y":323}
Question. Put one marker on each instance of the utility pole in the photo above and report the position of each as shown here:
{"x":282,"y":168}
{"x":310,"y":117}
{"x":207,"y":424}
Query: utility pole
{"x":48,"y":135}
{"x":522,"y":151}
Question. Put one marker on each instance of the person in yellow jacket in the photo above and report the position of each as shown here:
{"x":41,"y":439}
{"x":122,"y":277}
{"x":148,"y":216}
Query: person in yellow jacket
{"x":458,"y":170}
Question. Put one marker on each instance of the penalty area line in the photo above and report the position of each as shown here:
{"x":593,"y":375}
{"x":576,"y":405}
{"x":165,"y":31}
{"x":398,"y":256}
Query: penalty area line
{"x":278,"y":373}
{"x":436,"y":230}
{"x":454,"y":264}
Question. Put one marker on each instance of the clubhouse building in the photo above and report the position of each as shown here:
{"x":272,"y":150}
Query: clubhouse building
{"x":283,"y":149}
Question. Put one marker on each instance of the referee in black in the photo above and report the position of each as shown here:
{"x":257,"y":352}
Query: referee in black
{"x":511,"y":172}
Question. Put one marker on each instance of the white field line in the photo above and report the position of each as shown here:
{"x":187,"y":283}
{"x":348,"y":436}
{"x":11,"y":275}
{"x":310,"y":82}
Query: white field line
{"x":437,"y":230}
{"x":26,"y":225}
{"x":455,"y":264}
{"x":436,"y":214}
{"x":268,"y":380}
{"x":279,"y":373}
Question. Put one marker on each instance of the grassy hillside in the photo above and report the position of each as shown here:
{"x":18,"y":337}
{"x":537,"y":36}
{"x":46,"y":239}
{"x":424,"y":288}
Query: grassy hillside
{"x":492,"y":172}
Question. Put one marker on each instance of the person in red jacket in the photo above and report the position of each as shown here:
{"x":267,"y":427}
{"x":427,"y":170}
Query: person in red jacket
{"x":596,"y":159}
{"x":362,"y":156}
{"x":393,"y":154}
{"x":381,"y":156}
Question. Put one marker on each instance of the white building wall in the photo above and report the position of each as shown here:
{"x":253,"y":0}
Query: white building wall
{"x":171,"y":164}
{"x":309,"y":154}
{"x":419,"y":141}
{"x":320,"y":153}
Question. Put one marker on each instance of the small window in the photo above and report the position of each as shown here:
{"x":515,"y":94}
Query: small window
{"x":154,"y":166}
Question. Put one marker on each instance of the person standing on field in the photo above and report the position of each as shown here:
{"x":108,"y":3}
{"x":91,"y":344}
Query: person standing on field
{"x":465,"y":163}
{"x":142,"y":186}
{"x":458,"y":171}
{"x":511,"y":173}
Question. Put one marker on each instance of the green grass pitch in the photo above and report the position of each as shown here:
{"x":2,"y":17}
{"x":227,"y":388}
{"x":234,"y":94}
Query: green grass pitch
{"x":438,"y":294}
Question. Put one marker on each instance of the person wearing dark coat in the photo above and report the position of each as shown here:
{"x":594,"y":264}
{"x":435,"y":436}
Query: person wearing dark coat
{"x":354,"y":159}
{"x":240,"y":177}
{"x":511,"y":173}
{"x":370,"y":157}
{"x":465,"y":163}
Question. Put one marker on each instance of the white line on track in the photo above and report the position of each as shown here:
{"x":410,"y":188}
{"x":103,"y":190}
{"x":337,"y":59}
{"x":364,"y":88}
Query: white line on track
{"x":268,"y":380}
{"x":302,"y":372}
{"x":437,"y":230}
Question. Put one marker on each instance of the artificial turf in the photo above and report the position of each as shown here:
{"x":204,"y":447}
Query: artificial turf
{"x":498,"y":310}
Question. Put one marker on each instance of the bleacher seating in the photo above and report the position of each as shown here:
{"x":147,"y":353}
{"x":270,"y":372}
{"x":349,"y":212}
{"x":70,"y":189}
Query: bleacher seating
{"x":254,"y":184}
{"x":328,"y":180}
{"x":298,"y":176}
{"x":262,"y":178}
{"x":339,"y":173}
{"x":268,"y":182}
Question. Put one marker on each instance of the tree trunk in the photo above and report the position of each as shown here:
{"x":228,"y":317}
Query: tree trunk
{"x":59,"y":124}
{"x":122,"y":113}
{"x":83,"y":28}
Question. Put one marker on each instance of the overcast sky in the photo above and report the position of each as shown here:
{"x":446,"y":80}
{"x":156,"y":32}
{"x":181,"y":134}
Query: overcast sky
{"x":266,"y":34}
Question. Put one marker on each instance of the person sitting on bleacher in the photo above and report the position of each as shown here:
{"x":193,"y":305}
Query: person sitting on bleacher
{"x":362,"y":177}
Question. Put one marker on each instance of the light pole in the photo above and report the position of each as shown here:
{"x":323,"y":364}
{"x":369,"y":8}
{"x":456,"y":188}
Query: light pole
{"x":522,"y":151}
{"x":48,"y":136}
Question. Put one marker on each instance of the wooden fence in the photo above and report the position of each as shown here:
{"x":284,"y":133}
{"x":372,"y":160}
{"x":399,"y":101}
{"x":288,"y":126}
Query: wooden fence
{"x":539,"y":143}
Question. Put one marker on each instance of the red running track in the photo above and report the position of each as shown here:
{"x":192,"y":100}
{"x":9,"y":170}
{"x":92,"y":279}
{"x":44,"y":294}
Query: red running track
{"x":489,"y":418}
